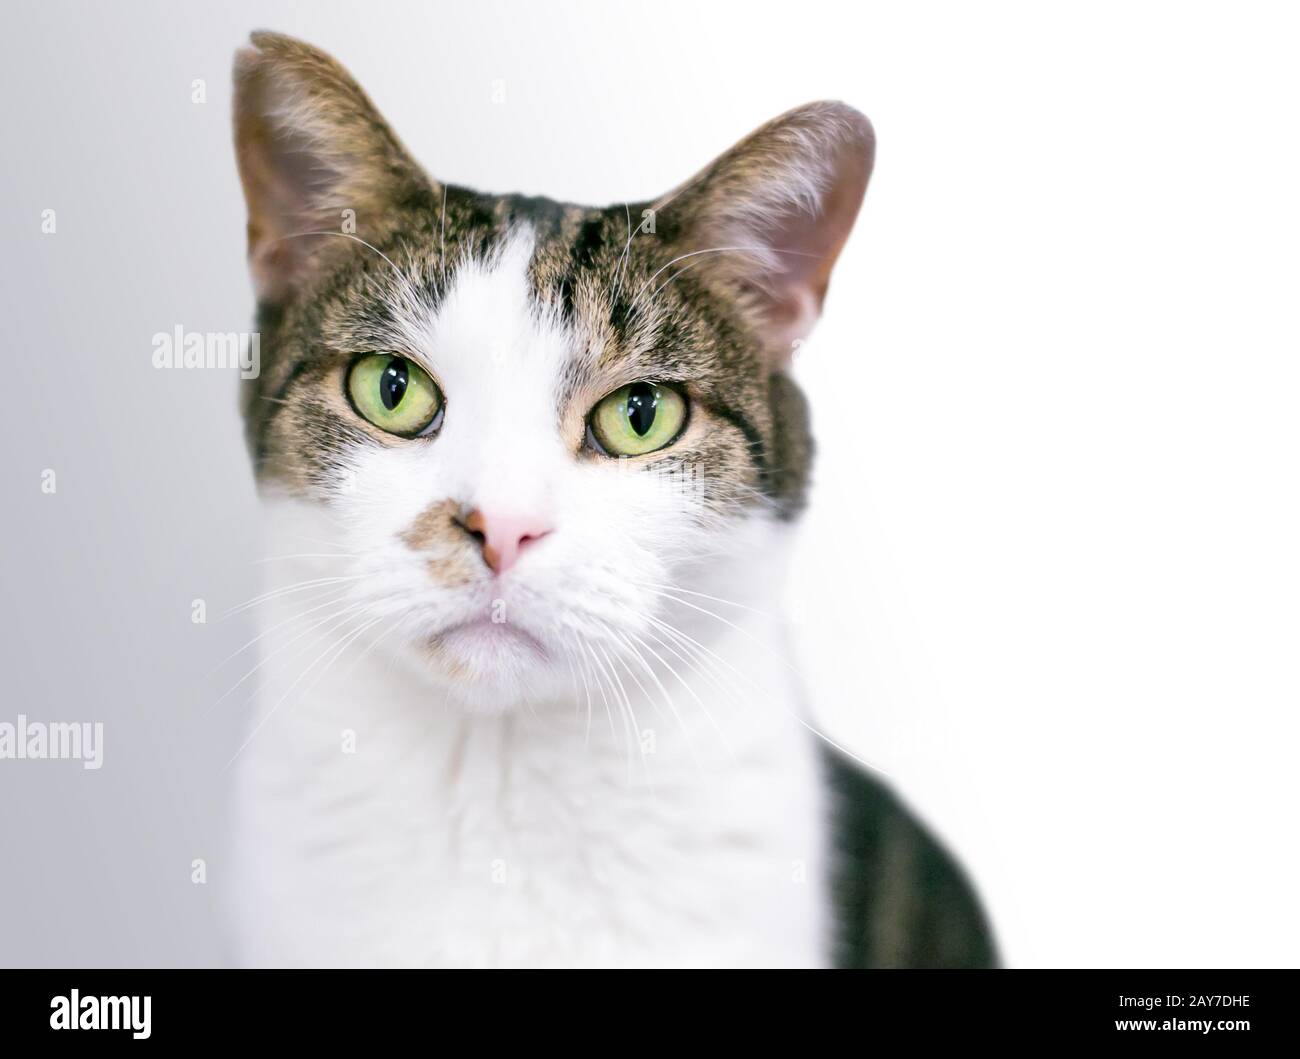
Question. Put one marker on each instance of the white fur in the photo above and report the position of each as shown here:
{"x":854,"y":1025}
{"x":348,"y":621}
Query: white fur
{"x":637,"y":797}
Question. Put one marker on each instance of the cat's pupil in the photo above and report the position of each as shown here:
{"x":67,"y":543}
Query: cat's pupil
{"x":392,"y":384}
{"x":641,"y":401}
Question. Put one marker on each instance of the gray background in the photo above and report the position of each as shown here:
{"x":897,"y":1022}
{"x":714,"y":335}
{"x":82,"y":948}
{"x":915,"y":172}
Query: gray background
{"x":1048,"y":581}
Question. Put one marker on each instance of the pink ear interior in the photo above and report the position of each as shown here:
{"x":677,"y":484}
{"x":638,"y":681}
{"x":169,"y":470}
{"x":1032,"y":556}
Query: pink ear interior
{"x":790,"y":192}
{"x":806,"y":244}
{"x":283,"y":181}
{"x":309,"y":144}
{"x":285,"y":174}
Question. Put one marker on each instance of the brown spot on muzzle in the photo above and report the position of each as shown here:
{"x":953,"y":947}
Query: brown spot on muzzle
{"x":438,"y":534}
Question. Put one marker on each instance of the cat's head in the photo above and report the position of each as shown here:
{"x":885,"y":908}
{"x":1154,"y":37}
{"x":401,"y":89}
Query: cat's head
{"x":534,"y":428}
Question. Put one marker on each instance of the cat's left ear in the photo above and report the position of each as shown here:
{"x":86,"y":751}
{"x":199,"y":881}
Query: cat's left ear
{"x":772,"y":214}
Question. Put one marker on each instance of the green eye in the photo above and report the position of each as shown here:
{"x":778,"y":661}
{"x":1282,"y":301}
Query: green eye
{"x":637,"y":419}
{"x":395,"y":394}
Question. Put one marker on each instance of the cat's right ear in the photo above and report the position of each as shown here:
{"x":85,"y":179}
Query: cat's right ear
{"x":770,"y":216}
{"x":316,"y":160}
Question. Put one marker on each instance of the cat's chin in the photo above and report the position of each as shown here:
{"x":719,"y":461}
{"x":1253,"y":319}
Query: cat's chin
{"x":473,"y":643}
{"x":487,"y":667}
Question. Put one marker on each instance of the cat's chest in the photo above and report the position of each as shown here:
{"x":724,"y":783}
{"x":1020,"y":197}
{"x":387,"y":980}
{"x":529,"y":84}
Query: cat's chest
{"x":594,"y":862}
{"x":538,"y":840}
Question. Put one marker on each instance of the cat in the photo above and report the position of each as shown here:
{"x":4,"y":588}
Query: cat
{"x":531,"y":472}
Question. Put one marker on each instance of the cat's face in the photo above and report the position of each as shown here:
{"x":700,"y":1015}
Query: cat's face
{"x":534,"y":429}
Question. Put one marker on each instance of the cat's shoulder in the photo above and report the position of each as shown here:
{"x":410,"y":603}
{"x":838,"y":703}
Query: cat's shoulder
{"x":901,"y":899}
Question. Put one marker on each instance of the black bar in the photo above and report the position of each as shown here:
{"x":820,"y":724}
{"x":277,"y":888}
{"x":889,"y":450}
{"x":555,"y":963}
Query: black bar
{"x":437,"y":1009}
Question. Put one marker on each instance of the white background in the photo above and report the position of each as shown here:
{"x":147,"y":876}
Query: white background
{"x":1049,"y":582}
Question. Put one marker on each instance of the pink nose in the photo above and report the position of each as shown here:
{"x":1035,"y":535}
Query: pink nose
{"x":503,"y":537}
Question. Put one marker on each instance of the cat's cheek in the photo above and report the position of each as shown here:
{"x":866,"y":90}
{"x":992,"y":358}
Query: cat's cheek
{"x":382,"y":492}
